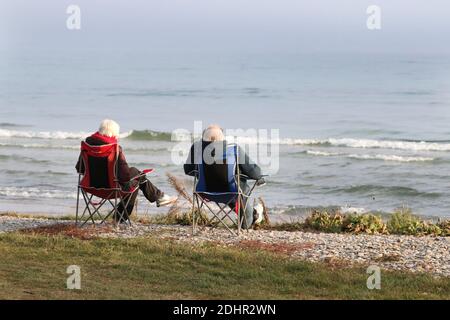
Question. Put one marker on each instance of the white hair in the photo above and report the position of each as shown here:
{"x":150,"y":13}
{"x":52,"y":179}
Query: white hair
{"x":213,"y":133}
{"x":109,"y":128}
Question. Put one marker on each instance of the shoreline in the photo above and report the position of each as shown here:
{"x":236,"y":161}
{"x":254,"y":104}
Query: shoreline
{"x":416,"y":254}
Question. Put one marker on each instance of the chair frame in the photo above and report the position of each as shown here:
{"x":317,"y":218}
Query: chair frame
{"x":115,"y":196}
{"x":199,"y":201}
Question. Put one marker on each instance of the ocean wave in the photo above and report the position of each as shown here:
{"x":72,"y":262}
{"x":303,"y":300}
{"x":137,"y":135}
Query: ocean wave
{"x":386,"y":157}
{"x":391,"y":144}
{"x":35,"y":193}
{"x":19,"y":158}
{"x":353,"y":143}
{"x":38,"y":146}
{"x":322,"y":153}
{"x":49,"y":135}
{"x":372,"y":144}
{"x":151,"y":135}
{"x":348,"y":209}
{"x":383,"y":157}
{"x":74,"y":147}
{"x":12,"y":125}
{"x":304,"y":211}
{"x":35,"y":173}
{"x":398,"y":191}
{"x":158,"y":93}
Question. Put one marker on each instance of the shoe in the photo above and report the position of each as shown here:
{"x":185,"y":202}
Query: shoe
{"x":165,"y":200}
{"x":258,"y":214}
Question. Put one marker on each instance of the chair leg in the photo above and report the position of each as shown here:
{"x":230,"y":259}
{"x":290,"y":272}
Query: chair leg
{"x":239,"y":224}
{"x":87,"y":202}
{"x":193,"y":215}
{"x":116,"y":211}
{"x":78,"y":206}
{"x":125,"y":210}
{"x":109,"y":213}
{"x":220,"y":220}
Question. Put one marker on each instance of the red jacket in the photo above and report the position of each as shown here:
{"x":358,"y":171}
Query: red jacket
{"x":123,"y":169}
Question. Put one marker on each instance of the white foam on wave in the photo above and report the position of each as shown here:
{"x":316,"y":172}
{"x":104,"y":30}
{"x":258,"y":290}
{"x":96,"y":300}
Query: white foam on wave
{"x":323,"y":153}
{"x":387,"y":144}
{"x":384,"y":157}
{"x":351,"y":143}
{"x":39,"y":146}
{"x":50,"y":135}
{"x":387,"y":157}
{"x":348,"y":209}
{"x":73,"y":147}
{"x":339,"y":142}
{"x":35,"y":193}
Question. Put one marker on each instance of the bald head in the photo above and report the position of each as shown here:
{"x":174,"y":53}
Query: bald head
{"x":213,"y":133}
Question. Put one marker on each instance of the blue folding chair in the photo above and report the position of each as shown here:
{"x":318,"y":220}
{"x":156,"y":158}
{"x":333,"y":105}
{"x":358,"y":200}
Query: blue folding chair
{"x":219,"y":184}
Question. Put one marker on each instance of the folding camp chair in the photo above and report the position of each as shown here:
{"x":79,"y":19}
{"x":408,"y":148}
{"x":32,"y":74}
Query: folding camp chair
{"x":102,"y":187}
{"x":219,"y":184}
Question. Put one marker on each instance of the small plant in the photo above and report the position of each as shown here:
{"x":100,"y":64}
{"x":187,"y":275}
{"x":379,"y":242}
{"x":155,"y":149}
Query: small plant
{"x":324,"y":221}
{"x":286,"y":226}
{"x":445,"y":228}
{"x":404,"y":222}
{"x":365,"y":223}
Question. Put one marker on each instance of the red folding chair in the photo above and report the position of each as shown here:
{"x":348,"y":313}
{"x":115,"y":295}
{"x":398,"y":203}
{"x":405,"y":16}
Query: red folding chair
{"x":103,"y":187}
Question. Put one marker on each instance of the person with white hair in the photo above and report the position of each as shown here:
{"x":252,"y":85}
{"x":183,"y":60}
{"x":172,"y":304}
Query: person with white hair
{"x":108,"y":133}
{"x":213,"y":141}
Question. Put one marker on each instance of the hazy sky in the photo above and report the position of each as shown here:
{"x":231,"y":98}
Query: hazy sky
{"x":279,"y":25}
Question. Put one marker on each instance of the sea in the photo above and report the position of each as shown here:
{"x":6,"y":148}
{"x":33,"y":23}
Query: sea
{"x":362,"y":132}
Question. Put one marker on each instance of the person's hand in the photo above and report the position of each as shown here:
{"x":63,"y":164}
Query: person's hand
{"x":261,"y":182}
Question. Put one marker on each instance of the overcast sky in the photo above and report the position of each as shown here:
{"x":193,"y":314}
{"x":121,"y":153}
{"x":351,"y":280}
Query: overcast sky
{"x":234,"y":25}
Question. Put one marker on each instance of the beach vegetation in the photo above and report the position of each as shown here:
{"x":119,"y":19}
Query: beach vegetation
{"x":404,"y":222}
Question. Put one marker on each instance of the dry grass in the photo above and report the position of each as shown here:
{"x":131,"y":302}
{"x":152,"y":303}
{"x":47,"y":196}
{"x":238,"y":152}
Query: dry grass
{"x":179,"y":186}
{"x":69,"y":230}
{"x":389,"y":258}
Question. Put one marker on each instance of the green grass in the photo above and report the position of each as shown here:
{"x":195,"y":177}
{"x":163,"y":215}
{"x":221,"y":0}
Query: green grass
{"x":34,"y":266}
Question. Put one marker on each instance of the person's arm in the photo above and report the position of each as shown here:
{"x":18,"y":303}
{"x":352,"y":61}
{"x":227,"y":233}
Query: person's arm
{"x":123,"y":169}
{"x":80,"y":165}
{"x":190,"y":167}
{"x":248,"y":167}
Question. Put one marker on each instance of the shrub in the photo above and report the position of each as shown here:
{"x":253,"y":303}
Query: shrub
{"x":445,"y":228}
{"x":324,"y":221}
{"x":184,"y":218}
{"x":365,"y":223}
{"x":286,"y":226}
{"x":404,"y":222}
{"x":175,"y":217}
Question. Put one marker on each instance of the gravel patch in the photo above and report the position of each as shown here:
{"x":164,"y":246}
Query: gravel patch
{"x":391,"y":252}
{"x":9,"y":223}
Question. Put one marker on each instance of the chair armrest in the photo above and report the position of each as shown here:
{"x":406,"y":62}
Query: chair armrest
{"x":248,"y":178}
{"x":143,"y":173}
{"x":193,"y":173}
